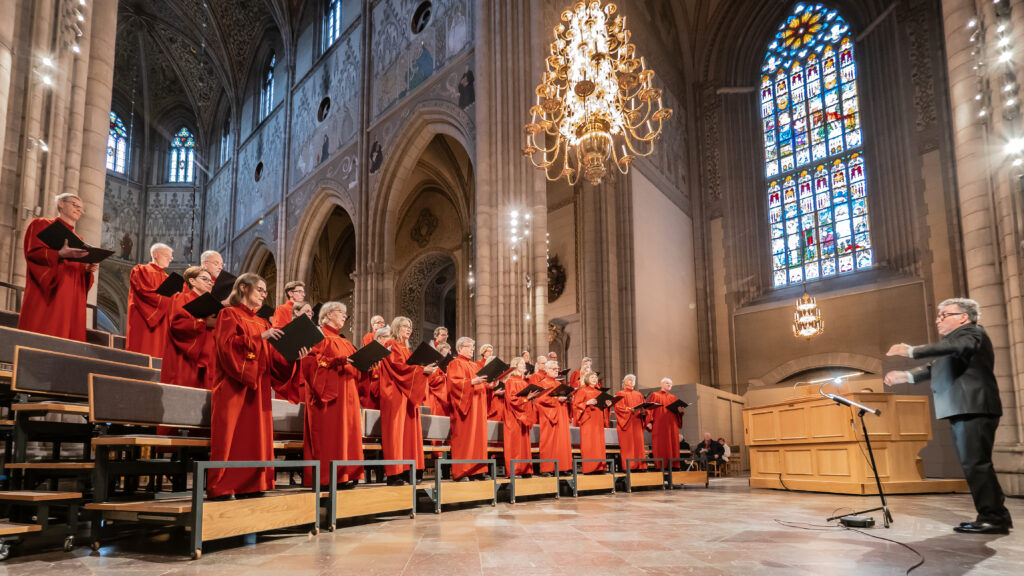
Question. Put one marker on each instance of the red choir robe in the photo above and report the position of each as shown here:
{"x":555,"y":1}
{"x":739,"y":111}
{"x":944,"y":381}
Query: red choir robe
{"x":468,"y":417}
{"x":367,"y":338}
{"x":334,"y":428}
{"x":147,"y":311}
{"x":189,"y":353}
{"x":553,"y":416}
{"x":402,"y":389}
{"x":283,"y":315}
{"x":495,"y":403}
{"x":630,"y":428}
{"x":574,"y":379}
{"x":369,"y":389}
{"x":590,"y":420}
{"x":437,"y":394}
{"x":241,"y":416}
{"x":54,"y":301}
{"x":665,"y":428}
{"x":519,"y":420}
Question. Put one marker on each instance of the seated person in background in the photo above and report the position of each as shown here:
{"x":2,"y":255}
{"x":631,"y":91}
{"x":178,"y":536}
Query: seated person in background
{"x":726,"y":451}
{"x":684,"y":446}
{"x":708,"y":450}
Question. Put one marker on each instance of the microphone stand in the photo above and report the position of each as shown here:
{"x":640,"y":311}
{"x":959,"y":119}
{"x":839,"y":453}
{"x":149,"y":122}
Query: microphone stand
{"x":861,"y":410}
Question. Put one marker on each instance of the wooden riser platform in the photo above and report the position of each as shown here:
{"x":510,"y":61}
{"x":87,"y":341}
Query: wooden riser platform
{"x":595,"y":482}
{"x":370,"y":500}
{"x":642,"y":479}
{"x":680,"y":477}
{"x":535,"y":486}
{"x":934,"y":486}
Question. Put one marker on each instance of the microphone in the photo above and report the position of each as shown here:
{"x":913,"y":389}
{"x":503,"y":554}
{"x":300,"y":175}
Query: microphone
{"x":846,"y":401}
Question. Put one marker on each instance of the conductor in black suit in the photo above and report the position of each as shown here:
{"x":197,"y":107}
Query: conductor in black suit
{"x":964,"y":385}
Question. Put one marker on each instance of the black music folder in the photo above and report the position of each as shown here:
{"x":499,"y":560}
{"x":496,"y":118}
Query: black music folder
{"x":646,"y":406}
{"x":56,"y":233}
{"x":204,"y":306}
{"x":443,"y":365}
{"x":171,"y":285}
{"x":223,"y":285}
{"x":494,"y":369}
{"x":561,"y":390}
{"x":299,"y":333}
{"x":424,"y":355}
{"x":266,"y":312}
{"x":675,"y":406}
{"x":366,"y":356}
{"x":605,"y":397}
{"x":529,"y":390}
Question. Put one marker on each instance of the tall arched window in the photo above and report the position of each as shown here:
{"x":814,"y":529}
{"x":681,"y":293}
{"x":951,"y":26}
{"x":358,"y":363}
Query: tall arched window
{"x":182,"y":156}
{"x":814,"y":158}
{"x":332,"y":23}
{"x":267,"y":89}
{"x":225,"y":142}
{"x":117,"y":145}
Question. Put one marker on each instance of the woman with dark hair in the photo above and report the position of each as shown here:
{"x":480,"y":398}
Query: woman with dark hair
{"x":188,"y":354}
{"x":247,"y":367}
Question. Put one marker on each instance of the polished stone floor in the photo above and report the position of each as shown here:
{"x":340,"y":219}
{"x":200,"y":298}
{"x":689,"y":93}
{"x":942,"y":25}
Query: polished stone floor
{"x":725,"y":529}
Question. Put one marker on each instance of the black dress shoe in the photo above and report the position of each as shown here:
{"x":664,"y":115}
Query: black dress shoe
{"x":463,"y":479}
{"x":545,"y":474}
{"x":396,"y":480}
{"x":483,"y":477}
{"x":982,"y":528}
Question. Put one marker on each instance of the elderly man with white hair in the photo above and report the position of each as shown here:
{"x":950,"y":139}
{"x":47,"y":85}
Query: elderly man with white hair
{"x":55,"y":288}
{"x":664,"y":425}
{"x":212,"y":262}
{"x":147,"y":310}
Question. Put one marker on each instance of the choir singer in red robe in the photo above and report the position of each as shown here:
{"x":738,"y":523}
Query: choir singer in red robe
{"x":665,"y":425}
{"x":630,"y":424}
{"x":519,"y":420}
{"x":189,"y":352}
{"x":147,"y":310}
{"x":495,"y":398}
{"x":437,"y":388}
{"x":54,"y":302}
{"x":590,"y":419}
{"x":468,"y":395}
{"x":296,"y":293}
{"x":212,"y":262}
{"x":403,"y":388}
{"x":294,"y":390}
{"x":241,"y":415}
{"x":376,"y":323}
{"x":334,"y":429}
{"x":553,"y":415}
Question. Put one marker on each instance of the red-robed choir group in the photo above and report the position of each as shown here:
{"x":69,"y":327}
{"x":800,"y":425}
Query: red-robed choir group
{"x":230,"y":355}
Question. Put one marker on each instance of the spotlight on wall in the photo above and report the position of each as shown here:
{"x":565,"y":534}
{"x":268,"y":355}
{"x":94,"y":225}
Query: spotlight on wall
{"x":1014,"y":147}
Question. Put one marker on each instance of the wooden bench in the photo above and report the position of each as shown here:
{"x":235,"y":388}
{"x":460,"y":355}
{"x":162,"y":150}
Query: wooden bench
{"x":11,"y":338}
{"x":33,"y":509}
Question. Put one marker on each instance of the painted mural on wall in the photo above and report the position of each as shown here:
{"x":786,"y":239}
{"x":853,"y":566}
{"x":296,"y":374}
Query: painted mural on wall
{"x":404,"y":60}
{"x":337,"y":77}
{"x":255,"y":198}
{"x":170,"y":219}
{"x":121,"y":213}
{"x":218,"y":212}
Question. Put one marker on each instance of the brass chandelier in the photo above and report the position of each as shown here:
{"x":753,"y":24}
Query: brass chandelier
{"x":807,"y":320}
{"x":595,"y":102}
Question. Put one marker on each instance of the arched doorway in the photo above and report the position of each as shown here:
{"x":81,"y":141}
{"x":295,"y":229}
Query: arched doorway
{"x":263,"y":263}
{"x":334,"y":259}
{"x":427,"y":295}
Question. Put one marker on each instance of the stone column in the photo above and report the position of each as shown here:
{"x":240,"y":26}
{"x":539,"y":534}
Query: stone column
{"x":7,"y":14}
{"x":979,"y":191}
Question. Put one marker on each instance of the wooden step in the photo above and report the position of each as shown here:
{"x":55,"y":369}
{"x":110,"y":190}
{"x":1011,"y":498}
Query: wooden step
{"x":49,"y":465}
{"x":151,"y":440}
{"x":37,"y":496}
{"x":12,"y":528}
{"x":58,"y":407}
{"x":6,"y":423}
{"x":164,"y":506}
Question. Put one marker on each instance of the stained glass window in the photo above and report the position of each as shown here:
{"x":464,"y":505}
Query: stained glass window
{"x":332,"y":23}
{"x":267,"y":89}
{"x":182,"y":156}
{"x":814,"y":159}
{"x":117,"y":145}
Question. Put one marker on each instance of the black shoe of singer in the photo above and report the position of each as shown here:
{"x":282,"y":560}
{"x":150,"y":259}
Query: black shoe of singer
{"x":395,"y":481}
{"x":1008,"y":524}
{"x":981,"y":528}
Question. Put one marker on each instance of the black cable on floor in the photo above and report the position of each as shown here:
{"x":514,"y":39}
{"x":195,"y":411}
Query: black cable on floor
{"x":784,"y":487}
{"x":831,"y":527}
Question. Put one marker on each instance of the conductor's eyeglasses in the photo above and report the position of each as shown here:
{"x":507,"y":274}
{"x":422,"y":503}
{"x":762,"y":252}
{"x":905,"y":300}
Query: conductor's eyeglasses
{"x":944,"y":315}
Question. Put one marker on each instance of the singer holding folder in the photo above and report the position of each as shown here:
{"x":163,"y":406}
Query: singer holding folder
{"x":519,"y":420}
{"x":54,"y":302}
{"x":333,"y":427}
{"x":468,"y":395}
{"x":665,"y":424}
{"x":188,"y":354}
{"x":241,"y":415}
{"x":630,"y":423}
{"x":590,"y":403}
{"x":147,"y":309}
{"x":403,"y":387}
{"x":553,"y":416}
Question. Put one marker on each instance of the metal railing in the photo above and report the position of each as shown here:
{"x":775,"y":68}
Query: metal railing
{"x":332,"y":506}
{"x":578,"y":463}
{"x":512,"y":476}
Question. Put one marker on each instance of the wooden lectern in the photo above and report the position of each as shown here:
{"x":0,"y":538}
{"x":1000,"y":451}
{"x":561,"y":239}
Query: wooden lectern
{"x":811,"y":443}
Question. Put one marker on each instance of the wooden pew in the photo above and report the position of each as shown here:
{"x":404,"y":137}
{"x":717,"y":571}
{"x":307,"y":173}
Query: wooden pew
{"x":9,"y":320}
{"x":147,"y":404}
{"x":10,"y":338}
{"x":49,"y":373}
